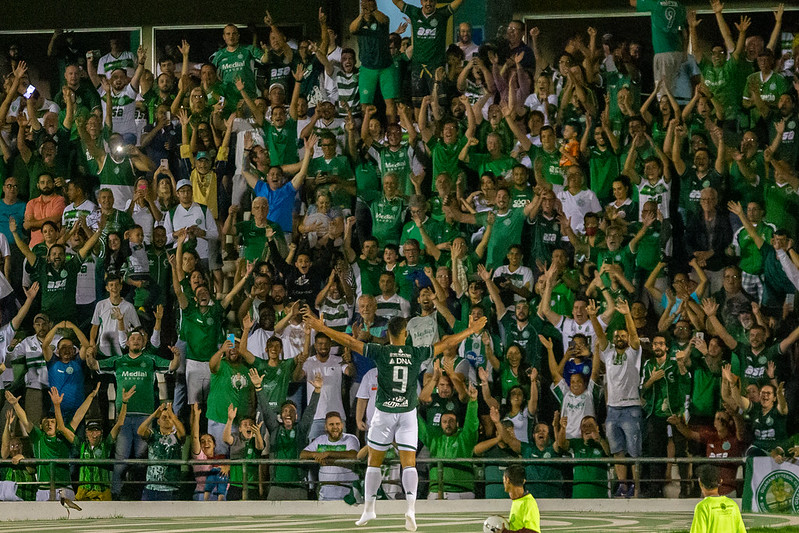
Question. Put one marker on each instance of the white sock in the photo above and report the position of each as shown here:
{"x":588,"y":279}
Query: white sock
{"x":371,"y":484}
{"x":410,"y":482}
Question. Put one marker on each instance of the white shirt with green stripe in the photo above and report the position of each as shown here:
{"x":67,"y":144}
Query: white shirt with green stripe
{"x":123,"y":110}
{"x":393,"y":306}
{"x":30,"y":348}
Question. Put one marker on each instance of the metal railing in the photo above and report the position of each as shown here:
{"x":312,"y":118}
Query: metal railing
{"x":438,"y":463}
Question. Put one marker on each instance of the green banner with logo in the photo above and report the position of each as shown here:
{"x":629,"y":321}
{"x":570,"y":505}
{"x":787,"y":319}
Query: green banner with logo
{"x":770,"y":487}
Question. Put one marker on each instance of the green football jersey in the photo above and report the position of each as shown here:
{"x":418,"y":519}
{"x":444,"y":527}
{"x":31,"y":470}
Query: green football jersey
{"x":429,"y":35}
{"x":398,"y":370}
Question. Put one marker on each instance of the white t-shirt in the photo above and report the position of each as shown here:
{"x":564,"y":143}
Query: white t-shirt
{"x":338,"y":474}
{"x":293,"y":338}
{"x":396,"y":305}
{"x":7,"y":333}
{"x":534,"y":103}
{"x":144,"y":218}
{"x":107,"y":336}
{"x":368,"y":391}
{"x":569,"y":328}
{"x":195,"y":215}
{"x":576,"y":206}
{"x":330,"y":398}
{"x":108,"y":63}
{"x":575,"y":408}
{"x":521,"y":277}
{"x":30,"y":348}
{"x":123,"y":110}
{"x":623,"y":375}
{"x":521,"y":423}
{"x":660,"y":192}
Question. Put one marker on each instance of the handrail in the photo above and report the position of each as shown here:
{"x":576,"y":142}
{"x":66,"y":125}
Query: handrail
{"x":438,"y":462}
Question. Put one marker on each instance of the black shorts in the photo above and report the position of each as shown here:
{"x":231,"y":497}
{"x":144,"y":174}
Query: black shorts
{"x":421,"y":82}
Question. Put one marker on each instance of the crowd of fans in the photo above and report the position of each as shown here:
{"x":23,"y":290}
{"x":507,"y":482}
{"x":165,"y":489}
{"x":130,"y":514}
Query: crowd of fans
{"x":164,"y":234}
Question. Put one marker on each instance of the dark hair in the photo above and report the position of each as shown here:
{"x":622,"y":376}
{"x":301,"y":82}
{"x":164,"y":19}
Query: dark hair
{"x":320,"y":335}
{"x":708,"y":476}
{"x":516,"y":475}
{"x":333,"y":414}
{"x":50,"y":223}
{"x":395,"y":325}
{"x":112,"y":277}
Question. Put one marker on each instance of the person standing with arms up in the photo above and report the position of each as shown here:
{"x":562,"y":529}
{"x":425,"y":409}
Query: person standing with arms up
{"x":394,"y":419}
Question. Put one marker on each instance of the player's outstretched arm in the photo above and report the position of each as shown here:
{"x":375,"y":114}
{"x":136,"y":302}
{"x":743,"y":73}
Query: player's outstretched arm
{"x":342,"y":338}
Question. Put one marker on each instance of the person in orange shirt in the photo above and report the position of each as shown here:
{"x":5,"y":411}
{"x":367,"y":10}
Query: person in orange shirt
{"x":48,"y":206}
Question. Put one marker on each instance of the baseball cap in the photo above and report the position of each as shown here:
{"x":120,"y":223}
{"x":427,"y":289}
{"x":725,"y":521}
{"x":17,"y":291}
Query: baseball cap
{"x":278,"y":85}
{"x":202,"y":155}
{"x":183,"y":183}
{"x":94,"y":424}
{"x":42,"y":316}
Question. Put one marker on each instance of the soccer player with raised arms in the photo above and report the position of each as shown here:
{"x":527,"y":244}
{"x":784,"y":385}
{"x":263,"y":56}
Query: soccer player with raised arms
{"x":394,"y":420}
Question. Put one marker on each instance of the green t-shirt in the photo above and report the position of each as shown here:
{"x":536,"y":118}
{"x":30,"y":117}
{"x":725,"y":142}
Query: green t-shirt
{"x":373,"y":49}
{"x":95,"y":477}
{"x":726,"y":83}
{"x":397,"y":373}
{"x":717,"y":514}
{"x":139,"y":372}
{"x":254,"y":238}
{"x":160,"y":447}
{"x":282,"y":143}
{"x":399,"y":162}
{"x":276,"y":380}
{"x":770,"y":91}
{"x":668,"y":22}
{"x":55,"y":447}
{"x":623,"y":256}
{"x":520,"y":197}
{"x":751,"y":368}
{"x":58,"y":287}
{"x":782,"y":206}
{"x":544,"y":238}
{"x":368,"y":276}
{"x":691,"y":187}
{"x":706,"y":389}
{"x":650,"y":247}
{"x":483,"y":163}
{"x":751,"y":260}
{"x":550,"y":164}
{"x":429,"y":35}
{"x":590,"y":480}
{"x":551,"y":484}
{"x":229,"y":385}
{"x":769,"y":429}
{"x":789,"y":146}
{"x":202,"y":331}
{"x":506,"y":232}
{"x":445,"y":156}
{"x":387,"y":220}
{"x":240,"y":63}
{"x":603,"y":167}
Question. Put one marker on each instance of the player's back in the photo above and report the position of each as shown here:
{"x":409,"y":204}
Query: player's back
{"x":717,"y":514}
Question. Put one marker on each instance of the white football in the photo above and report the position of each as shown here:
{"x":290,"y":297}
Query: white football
{"x":494,"y":524}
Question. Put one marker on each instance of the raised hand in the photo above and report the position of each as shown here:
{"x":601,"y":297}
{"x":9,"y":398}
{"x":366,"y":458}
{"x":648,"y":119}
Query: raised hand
{"x":472,"y":393}
{"x":709,"y":306}
{"x":592,"y":308}
{"x":622,"y":306}
{"x":494,"y":414}
{"x":317,"y":381}
{"x":545,"y":342}
{"x":482,"y":373}
{"x":184,"y":48}
{"x":255,"y":378}
{"x":231,"y":412}
{"x":127,"y":394}
{"x":55,"y":397}
{"x":484,"y":274}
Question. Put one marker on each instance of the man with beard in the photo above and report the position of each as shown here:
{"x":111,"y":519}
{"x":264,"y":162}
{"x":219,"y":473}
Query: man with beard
{"x":434,"y":321}
{"x":788,"y":150}
{"x":749,"y":363}
{"x":124,"y":92}
{"x":56,"y":274}
{"x":517,"y":328}
{"x":664,"y":384}
{"x":134,"y":370}
{"x":331,"y":368}
{"x":623,"y":368}
{"x":287,"y":438}
{"x":48,"y":206}
{"x":399,"y":157}
{"x":325,"y":449}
